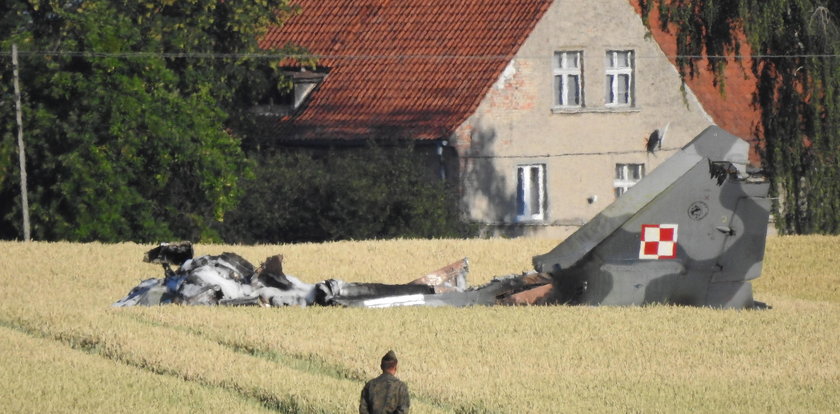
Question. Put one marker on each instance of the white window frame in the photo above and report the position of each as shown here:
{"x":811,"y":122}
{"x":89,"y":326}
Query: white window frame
{"x":568,"y":69}
{"x":626,"y":176}
{"x":614,"y":71}
{"x":526,"y":194}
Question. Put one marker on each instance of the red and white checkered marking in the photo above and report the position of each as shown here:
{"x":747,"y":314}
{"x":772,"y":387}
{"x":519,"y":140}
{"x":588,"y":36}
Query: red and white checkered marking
{"x":659,"y":241}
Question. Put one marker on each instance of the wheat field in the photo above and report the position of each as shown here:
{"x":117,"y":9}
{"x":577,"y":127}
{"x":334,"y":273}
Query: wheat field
{"x":63,"y":348}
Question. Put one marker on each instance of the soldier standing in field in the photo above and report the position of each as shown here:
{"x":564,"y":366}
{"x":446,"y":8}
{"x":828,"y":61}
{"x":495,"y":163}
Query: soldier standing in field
{"x":385,"y":393}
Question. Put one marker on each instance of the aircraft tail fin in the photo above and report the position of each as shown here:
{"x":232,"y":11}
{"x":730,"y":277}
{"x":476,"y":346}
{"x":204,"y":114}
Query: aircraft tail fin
{"x":690,"y":232}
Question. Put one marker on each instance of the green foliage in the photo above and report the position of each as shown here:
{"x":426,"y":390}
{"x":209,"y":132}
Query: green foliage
{"x":343,"y":194}
{"x":797,"y":44}
{"x":126,"y":138}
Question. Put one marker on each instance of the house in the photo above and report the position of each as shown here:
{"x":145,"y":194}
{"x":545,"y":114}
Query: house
{"x":543,"y":111}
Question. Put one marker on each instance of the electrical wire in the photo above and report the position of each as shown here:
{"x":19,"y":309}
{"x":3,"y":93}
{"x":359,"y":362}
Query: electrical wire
{"x":567,"y":154}
{"x":281,"y":55}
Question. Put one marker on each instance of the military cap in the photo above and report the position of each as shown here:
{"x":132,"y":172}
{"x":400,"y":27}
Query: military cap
{"x":390,"y":356}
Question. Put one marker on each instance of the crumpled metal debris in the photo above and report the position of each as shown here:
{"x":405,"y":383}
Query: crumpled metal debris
{"x":229,"y":279}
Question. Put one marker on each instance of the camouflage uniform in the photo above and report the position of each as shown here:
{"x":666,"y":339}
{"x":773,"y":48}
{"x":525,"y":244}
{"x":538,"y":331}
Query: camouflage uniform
{"x":384,"y":394}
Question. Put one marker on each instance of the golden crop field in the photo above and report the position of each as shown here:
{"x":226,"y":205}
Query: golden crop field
{"x":63,"y":348}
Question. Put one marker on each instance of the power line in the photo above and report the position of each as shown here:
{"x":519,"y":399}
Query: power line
{"x":199,"y":55}
{"x":566,"y":154}
{"x":303,"y":56}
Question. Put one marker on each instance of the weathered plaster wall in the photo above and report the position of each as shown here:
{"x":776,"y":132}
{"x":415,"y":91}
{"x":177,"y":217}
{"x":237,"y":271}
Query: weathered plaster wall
{"x":515,"y":123}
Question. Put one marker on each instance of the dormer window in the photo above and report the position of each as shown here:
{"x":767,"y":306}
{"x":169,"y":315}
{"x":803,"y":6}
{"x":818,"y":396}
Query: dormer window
{"x":281,"y":104}
{"x":304,"y":83}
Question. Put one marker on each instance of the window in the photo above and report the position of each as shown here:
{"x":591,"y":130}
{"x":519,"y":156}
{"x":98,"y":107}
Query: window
{"x":619,"y":69}
{"x":568,"y":79}
{"x":530,"y":192}
{"x":626,"y":176}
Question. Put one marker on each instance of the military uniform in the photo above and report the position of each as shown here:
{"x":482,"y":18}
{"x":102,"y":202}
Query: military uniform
{"x":385,"y":393}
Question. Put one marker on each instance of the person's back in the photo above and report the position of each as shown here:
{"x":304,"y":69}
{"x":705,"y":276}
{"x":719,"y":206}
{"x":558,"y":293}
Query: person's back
{"x":385,"y":393}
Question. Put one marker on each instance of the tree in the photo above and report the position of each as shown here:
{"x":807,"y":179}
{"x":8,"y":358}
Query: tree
{"x":129,"y":108}
{"x":797,"y":45}
{"x":309,"y":196}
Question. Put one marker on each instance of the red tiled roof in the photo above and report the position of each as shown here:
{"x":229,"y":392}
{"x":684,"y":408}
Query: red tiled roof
{"x":418,"y":65}
{"x":733,"y":110}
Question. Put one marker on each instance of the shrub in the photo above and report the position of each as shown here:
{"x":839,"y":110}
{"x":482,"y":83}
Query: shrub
{"x":369,"y":192}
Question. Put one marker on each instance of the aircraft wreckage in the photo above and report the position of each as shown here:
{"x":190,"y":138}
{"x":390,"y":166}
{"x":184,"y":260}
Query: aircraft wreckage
{"x":691,"y":233}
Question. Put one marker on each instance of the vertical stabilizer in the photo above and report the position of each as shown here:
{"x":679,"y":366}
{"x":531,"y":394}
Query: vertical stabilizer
{"x":692,"y":232}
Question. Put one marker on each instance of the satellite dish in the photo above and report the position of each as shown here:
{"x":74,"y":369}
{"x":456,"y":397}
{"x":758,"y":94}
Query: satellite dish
{"x":662,"y":133}
{"x":656,"y":138}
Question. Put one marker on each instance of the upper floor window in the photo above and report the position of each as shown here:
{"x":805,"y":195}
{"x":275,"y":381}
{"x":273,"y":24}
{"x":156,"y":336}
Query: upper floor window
{"x":530,"y":192}
{"x":619,"y":70}
{"x":626,"y":176}
{"x":568,"y":79}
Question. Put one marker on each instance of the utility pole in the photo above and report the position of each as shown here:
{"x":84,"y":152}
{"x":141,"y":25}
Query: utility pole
{"x":24,"y":199}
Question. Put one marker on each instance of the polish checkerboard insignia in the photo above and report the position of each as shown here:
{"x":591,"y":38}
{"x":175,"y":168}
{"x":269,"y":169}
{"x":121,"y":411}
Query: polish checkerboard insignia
{"x":659,"y":241}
